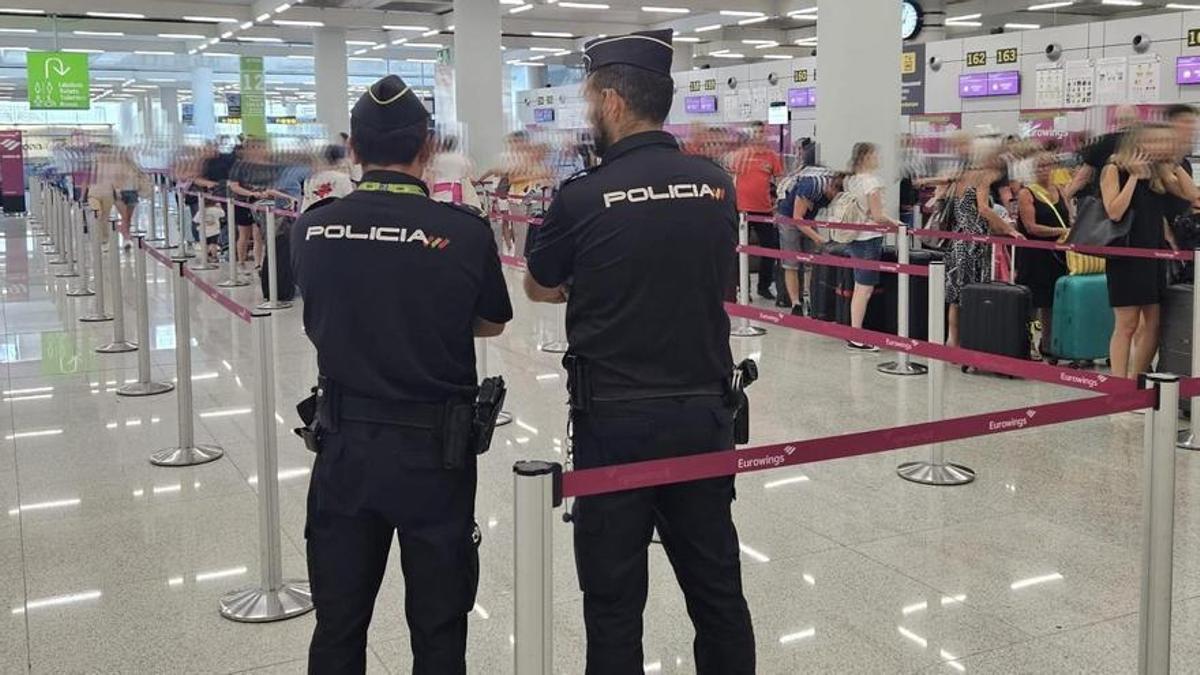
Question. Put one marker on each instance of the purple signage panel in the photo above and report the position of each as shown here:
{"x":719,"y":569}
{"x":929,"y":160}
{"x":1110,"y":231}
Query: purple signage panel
{"x":700,"y":105}
{"x":1187,"y":70}
{"x":973,"y":86}
{"x":1004,"y":83}
{"x":804,"y":97}
{"x":543,"y":115}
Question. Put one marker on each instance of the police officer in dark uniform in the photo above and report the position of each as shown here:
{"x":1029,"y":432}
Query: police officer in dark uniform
{"x":641,"y":250}
{"x":396,"y":288}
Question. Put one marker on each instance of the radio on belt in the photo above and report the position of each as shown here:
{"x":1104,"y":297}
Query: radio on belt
{"x":744,"y":375}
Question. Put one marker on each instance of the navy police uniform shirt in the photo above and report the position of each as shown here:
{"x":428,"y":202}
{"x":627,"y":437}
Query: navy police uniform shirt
{"x":646,"y":243}
{"x":393,"y":282}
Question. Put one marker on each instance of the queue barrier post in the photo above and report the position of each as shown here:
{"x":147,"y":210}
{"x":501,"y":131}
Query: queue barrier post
{"x":99,"y":312}
{"x":152,"y":214}
{"x":234,"y":280}
{"x":165,"y":203}
{"x":272,"y":302}
{"x":536,"y":491}
{"x":144,"y":385}
{"x":1189,"y":439}
{"x":504,"y":417}
{"x":742,"y":326}
{"x":200,"y":261}
{"x":47,"y":221}
{"x":274,"y":598}
{"x":903,"y":364}
{"x":70,"y":241}
{"x":187,"y":452}
{"x":1158,"y":528}
{"x":183,"y":250}
{"x":119,"y":344}
{"x":936,"y":471}
{"x":82,"y":288}
{"x":557,"y":344}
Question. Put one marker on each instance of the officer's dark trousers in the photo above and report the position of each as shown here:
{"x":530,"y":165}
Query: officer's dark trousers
{"x":613,"y":531}
{"x":369,"y":483}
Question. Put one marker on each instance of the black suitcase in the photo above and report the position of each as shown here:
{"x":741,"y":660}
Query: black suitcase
{"x":882,"y":313}
{"x":1175,"y":336}
{"x":829,"y":295}
{"x":283,"y":273}
{"x":994,"y":318}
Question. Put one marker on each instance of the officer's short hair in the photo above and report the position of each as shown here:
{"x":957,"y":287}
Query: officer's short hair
{"x":392,"y":146}
{"x":647,"y":93}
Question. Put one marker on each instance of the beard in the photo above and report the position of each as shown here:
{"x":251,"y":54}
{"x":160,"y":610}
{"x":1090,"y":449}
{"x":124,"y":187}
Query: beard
{"x":601,"y":137}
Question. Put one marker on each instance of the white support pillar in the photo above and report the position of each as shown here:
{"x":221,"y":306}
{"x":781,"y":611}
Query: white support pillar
{"x":146,"y":115}
{"x":682,"y":60}
{"x":477,"y":78}
{"x":860,"y":43}
{"x":204,"y":116}
{"x":329,"y":62}
{"x":168,"y":98}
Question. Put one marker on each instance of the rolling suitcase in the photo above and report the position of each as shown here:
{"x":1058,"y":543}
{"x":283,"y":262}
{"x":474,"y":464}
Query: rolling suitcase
{"x":1175,"y":335}
{"x":831,"y":288}
{"x":882,"y":313}
{"x":1082,"y":322}
{"x":994,"y":317}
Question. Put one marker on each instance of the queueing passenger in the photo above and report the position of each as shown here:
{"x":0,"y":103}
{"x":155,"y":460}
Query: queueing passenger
{"x":649,"y":362}
{"x":1043,"y":216}
{"x":1144,"y":176}
{"x":396,"y":286}
{"x":867,"y":188}
{"x":814,"y":189}
{"x":756,"y":166}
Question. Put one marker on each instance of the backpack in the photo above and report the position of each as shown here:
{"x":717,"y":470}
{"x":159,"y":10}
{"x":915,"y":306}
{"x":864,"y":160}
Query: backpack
{"x":845,"y":208}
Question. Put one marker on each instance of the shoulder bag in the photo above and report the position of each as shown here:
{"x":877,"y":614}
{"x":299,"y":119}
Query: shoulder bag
{"x":1077,"y":263}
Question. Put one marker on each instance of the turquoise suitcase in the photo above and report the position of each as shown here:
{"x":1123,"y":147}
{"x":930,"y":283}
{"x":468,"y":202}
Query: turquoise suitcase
{"x":1082,"y":322}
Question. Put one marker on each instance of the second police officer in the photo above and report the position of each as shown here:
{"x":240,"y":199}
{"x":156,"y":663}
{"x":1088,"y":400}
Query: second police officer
{"x":396,"y":288}
{"x":641,"y":249}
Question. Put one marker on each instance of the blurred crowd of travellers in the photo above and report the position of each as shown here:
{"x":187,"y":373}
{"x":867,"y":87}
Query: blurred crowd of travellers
{"x":1134,"y":183}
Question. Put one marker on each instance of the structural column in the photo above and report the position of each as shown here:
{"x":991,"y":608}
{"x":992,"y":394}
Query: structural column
{"x":859,"y":86}
{"x":329,"y":60}
{"x":682,"y":60}
{"x":935,"y":21}
{"x":204,"y":116}
{"x":146,"y":115}
{"x":477,"y":78}
{"x":168,"y":98}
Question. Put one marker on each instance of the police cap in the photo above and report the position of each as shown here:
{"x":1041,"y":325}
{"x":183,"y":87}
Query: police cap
{"x":388,"y":105}
{"x":650,"y":50}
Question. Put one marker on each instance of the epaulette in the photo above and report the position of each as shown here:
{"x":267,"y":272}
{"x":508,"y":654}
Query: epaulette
{"x":577,"y":175}
{"x":466,"y":208}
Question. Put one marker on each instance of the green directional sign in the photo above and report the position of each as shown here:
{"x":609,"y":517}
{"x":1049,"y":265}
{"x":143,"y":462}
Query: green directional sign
{"x":254,"y":97}
{"x":58,"y":81}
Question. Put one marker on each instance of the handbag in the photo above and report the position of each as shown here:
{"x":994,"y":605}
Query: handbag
{"x":1093,"y":227}
{"x":1077,"y":263}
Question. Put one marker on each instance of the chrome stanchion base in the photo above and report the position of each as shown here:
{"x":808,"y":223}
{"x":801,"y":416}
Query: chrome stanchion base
{"x":117,"y":347}
{"x":747,"y":331}
{"x":255,"y":605}
{"x":1188,"y":440}
{"x":233,"y":283}
{"x":96,"y":318}
{"x":504,"y":417}
{"x":66,"y":274}
{"x":58,"y":261}
{"x":164,"y":246}
{"x":80,"y":293}
{"x":199,"y":265}
{"x":554,"y":347}
{"x":901,"y":368}
{"x":200,"y":454}
{"x":278,"y":304}
{"x":145,"y":389}
{"x":927,"y":473}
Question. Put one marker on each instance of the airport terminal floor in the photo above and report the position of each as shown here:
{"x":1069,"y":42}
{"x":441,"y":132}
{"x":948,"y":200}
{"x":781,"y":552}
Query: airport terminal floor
{"x":110,"y":564}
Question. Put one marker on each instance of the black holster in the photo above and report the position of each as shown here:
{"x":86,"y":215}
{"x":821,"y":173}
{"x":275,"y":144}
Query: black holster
{"x":579,"y":383}
{"x":744,"y":375}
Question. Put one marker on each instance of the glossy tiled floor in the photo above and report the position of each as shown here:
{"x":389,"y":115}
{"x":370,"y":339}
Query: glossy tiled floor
{"x":108,"y":564}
